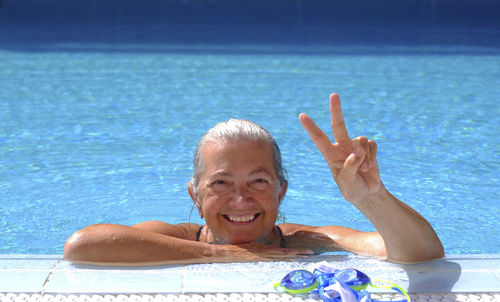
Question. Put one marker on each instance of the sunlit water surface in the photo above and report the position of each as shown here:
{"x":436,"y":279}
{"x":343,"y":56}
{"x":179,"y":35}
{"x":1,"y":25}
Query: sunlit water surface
{"x":105,"y":134}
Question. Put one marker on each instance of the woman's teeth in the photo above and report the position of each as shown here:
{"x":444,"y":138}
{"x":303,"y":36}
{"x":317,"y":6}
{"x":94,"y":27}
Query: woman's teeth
{"x":241,"y":218}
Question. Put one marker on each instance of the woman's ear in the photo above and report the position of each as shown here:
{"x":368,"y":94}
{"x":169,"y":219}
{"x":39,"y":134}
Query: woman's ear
{"x":282,"y":193}
{"x":194,"y":197}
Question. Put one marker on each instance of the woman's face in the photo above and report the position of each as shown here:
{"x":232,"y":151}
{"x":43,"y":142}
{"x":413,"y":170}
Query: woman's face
{"x":239,"y":192}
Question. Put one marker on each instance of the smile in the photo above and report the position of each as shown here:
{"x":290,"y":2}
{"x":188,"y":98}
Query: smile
{"x":248,"y":218}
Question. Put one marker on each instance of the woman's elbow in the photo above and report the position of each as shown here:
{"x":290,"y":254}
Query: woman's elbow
{"x":434,"y":250}
{"x":417,"y":256}
{"x":437,"y":252}
{"x":73,"y":246}
{"x":81,"y":245}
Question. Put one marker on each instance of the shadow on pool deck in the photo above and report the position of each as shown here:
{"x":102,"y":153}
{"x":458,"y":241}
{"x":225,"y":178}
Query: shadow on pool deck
{"x":441,"y":278}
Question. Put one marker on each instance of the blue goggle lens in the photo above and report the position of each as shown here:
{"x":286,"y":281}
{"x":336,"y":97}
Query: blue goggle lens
{"x":352,"y":277}
{"x":298,"y":279}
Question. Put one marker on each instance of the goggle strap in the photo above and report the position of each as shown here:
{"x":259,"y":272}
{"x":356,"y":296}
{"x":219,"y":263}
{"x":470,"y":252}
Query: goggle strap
{"x":393,"y":287}
{"x":296,"y":291}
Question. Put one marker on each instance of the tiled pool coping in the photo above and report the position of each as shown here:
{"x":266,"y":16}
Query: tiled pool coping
{"x":51,"y":274}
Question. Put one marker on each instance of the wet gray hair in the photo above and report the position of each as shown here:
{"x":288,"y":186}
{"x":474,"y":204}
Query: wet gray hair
{"x":237,"y":130}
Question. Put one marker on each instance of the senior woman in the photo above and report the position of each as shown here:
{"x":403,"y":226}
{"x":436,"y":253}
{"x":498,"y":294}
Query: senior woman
{"x":237,"y":187}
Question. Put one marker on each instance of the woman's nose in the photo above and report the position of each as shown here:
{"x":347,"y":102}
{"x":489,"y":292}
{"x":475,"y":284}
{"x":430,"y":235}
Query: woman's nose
{"x":241,"y":195}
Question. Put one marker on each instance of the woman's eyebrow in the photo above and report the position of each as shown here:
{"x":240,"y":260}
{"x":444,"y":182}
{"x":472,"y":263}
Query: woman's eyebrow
{"x":220,"y":174}
{"x":261,"y":170}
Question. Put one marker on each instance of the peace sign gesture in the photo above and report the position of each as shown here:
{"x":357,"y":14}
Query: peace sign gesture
{"x":352,"y":161}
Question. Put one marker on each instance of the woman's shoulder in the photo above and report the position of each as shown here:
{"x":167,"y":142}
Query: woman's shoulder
{"x":181,"y":230}
{"x":289,"y":229}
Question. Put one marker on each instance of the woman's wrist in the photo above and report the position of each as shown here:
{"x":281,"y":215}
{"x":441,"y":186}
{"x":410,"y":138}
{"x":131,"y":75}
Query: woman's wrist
{"x":371,"y":199}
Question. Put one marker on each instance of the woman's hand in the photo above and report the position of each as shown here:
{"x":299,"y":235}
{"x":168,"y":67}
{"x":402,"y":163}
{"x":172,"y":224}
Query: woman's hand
{"x":402,"y":234}
{"x":255,"y":252}
{"x":353,"y":162}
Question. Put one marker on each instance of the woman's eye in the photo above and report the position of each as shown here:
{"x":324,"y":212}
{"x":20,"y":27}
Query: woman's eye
{"x":218,"y":182}
{"x":220,"y":185}
{"x":260,"y":183}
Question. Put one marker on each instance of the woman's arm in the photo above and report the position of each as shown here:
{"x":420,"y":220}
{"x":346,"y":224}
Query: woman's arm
{"x":406,"y":235}
{"x":402,"y":236}
{"x":112,"y":244}
{"x":333,"y":238}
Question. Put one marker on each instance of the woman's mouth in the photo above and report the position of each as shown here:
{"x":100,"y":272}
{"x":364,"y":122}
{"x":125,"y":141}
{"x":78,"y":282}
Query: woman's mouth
{"x":241,"y":219}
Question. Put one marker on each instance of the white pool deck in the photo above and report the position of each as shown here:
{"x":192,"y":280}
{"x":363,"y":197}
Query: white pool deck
{"x":51,"y":278}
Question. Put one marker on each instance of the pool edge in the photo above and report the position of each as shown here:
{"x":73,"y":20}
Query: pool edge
{"x":51,"y":275}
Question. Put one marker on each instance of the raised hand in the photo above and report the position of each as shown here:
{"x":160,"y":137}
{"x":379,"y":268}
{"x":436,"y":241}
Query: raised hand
{"x":352,"y":161}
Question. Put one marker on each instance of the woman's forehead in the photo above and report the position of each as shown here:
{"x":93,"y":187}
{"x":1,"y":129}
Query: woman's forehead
{"x":220,"y":154}
{"x":258,"y":171}
{"x":259,"y":147}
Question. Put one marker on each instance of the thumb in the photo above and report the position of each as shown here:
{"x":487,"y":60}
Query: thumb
{"x":353,"y":161}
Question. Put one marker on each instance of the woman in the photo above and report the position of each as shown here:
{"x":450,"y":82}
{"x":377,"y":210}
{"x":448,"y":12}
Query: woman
{"x":237,"y":186}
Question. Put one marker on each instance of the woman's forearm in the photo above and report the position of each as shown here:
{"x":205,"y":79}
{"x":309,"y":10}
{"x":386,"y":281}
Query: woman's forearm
{"x":408,"y":237}
{"x":109,"y":244}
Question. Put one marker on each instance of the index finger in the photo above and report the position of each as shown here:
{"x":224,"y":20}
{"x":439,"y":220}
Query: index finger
{"x":319,"y":138}
{"x":338,"y":124}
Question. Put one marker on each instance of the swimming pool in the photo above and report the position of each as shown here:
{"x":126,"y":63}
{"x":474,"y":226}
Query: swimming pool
{"x":103,"y":130}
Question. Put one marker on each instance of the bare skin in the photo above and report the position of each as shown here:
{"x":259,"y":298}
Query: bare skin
{"x":239,"y":195}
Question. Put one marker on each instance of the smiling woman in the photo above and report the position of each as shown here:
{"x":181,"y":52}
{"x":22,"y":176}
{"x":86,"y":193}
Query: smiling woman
{"x":238,"y":184}
{"x":239,"y":193}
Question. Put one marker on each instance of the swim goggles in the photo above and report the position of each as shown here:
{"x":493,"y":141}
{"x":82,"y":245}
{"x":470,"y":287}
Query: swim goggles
{"x":334,"y":285}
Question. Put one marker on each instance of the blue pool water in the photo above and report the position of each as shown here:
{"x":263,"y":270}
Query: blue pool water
{"x":98,"y":124}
